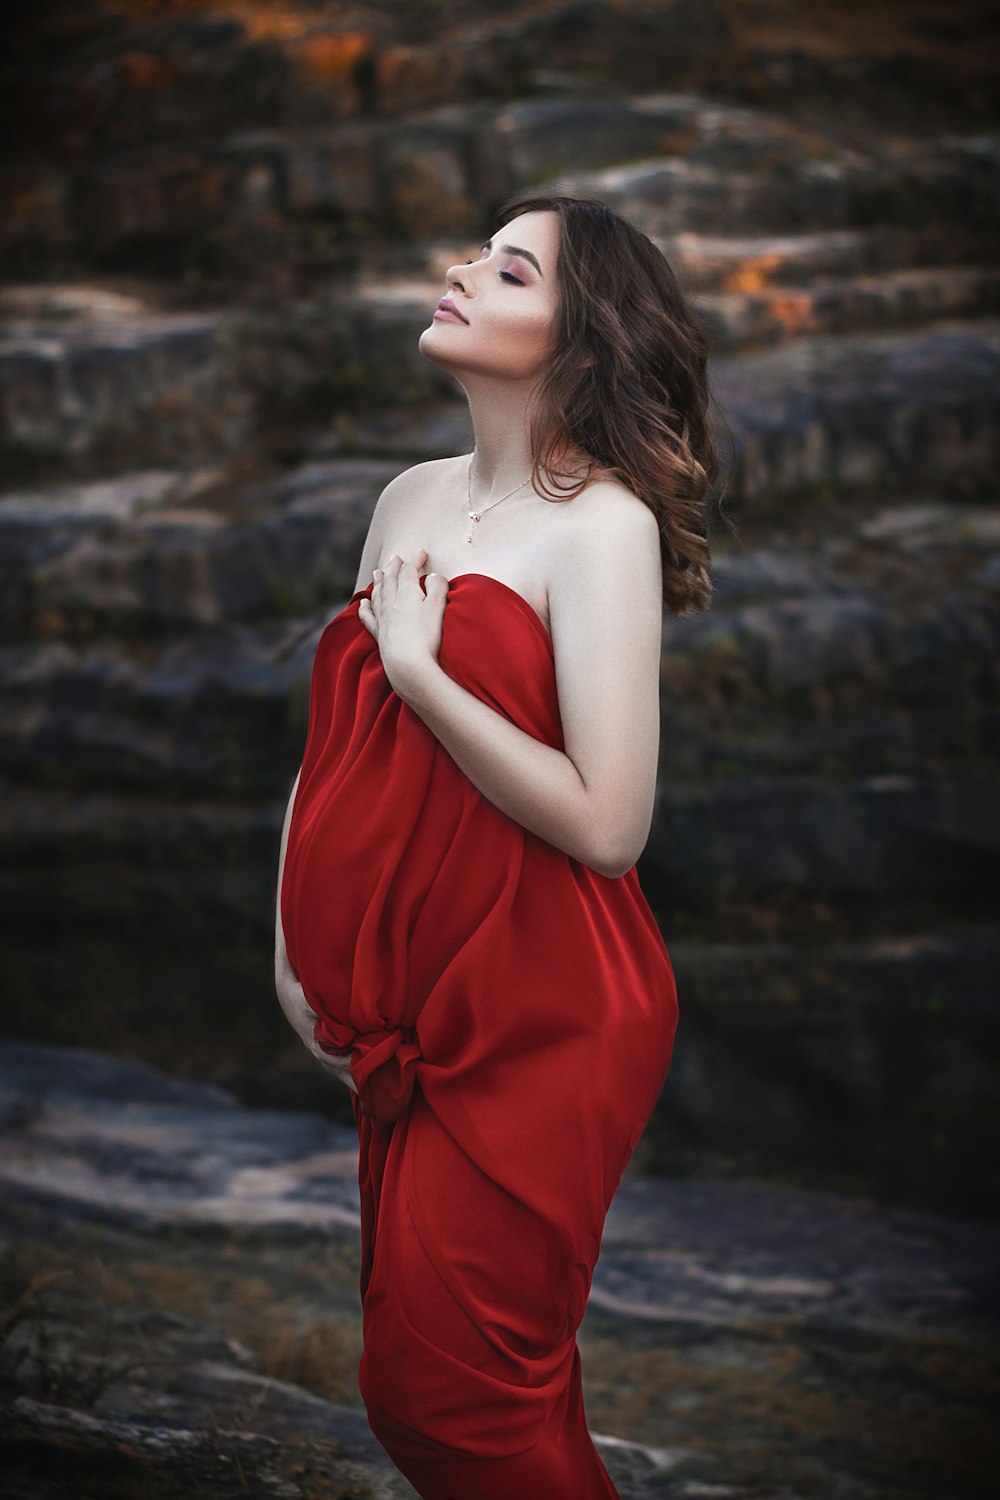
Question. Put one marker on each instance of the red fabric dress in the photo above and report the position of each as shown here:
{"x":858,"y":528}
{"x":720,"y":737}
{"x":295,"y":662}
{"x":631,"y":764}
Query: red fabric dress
{"x":511,"y":1017}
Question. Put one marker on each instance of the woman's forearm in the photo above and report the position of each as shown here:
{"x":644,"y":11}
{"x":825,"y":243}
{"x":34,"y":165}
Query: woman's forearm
{"x":289,"y":993}
{"x":282,"y":968}
{"x":533,"y":783}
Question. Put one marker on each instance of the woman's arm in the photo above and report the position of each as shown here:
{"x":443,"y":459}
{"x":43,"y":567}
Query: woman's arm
{"x":282,"y":968}
{"x":594,"y":800}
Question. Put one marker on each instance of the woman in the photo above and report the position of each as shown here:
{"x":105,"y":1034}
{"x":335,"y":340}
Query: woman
{"x":461,"y":936}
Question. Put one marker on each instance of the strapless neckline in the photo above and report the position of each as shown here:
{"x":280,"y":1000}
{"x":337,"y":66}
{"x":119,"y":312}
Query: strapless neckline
{"x":522,"y":601}
{"x":499,"y":583}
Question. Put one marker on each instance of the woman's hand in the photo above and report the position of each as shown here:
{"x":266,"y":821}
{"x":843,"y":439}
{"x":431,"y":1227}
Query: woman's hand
{"x":404,"y":620}
{"x":302,"y":1018}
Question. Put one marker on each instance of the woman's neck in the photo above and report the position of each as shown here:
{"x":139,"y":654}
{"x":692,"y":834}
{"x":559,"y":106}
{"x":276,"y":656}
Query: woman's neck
{"x":502,"y":456}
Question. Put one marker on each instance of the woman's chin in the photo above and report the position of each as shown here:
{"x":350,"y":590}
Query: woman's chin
{"x":434,"y":348}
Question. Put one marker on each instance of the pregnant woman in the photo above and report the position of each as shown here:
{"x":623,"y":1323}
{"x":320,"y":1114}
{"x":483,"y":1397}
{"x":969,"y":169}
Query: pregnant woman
{"x":461,"y":937}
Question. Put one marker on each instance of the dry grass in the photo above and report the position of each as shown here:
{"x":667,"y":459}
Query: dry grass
{"x":274,"y":1316}
{"x":787,"y":1409}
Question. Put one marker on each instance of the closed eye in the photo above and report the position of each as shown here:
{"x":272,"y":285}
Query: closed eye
{"x":509,"y":275}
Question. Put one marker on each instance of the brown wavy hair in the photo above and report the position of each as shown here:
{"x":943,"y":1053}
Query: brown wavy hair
{"x":627,"y":384}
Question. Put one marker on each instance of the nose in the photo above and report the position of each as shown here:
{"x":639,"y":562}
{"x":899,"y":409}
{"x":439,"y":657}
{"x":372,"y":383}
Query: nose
{"x":454,"y":274}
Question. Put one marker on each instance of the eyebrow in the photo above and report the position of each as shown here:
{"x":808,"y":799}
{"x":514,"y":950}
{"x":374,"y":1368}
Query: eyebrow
{"x":516,"y":250}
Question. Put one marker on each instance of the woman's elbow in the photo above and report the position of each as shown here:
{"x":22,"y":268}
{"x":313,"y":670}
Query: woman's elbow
{"x":615,"y":849}
{"x":616,"y":827}
{"x":616,"y":870}
{"x":614,"y":859}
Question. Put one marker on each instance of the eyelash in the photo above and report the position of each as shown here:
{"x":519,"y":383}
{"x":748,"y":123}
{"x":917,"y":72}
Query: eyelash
{"x":512,"y":278}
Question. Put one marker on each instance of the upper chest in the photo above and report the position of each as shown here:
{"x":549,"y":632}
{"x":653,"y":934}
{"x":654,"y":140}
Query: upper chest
{"x":515,"y":548}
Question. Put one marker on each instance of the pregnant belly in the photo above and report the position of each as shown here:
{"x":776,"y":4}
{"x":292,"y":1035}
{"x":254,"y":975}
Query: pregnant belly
{"x":378,"y":899}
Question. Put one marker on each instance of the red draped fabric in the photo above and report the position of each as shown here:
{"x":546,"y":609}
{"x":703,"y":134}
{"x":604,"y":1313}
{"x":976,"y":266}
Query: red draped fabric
{"x":510,"y":1015}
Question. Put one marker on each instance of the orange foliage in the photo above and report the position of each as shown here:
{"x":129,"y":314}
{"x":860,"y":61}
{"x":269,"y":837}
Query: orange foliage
{"x":334,"y":57}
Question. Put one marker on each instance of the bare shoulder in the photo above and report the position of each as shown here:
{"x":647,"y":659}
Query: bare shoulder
{"x":414,"y":483}
{"x":405,"y":502}
{"x":608,"y":532}
{"x":416,"y":478}
{"x":608,"y":504}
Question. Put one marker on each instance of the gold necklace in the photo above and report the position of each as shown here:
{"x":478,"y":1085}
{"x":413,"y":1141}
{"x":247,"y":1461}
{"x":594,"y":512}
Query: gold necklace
{"x":477,"y":515}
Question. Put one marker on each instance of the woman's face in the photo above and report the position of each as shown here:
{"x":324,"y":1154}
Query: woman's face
{"x":508,"y":302}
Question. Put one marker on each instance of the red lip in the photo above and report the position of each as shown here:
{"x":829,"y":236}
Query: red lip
{"x":446,"y":305}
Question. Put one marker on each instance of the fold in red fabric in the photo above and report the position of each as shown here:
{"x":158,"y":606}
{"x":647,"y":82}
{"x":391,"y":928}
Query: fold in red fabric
{"x":510,"y":1016}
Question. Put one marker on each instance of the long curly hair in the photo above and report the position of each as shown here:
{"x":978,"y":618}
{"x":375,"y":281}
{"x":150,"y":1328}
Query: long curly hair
{"x":627,"y":384}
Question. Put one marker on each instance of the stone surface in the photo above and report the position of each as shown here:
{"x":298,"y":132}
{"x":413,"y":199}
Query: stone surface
{"x":828,"y":781}
{"x":180,"y":1286}
{"x":223,"y":235}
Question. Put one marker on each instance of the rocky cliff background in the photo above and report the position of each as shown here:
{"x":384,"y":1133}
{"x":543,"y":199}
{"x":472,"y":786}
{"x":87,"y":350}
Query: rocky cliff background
{"x":222,"y":228}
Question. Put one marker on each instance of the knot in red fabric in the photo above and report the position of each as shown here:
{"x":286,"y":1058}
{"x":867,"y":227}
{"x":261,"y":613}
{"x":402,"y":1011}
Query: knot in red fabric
{"x":383,"y":1065}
